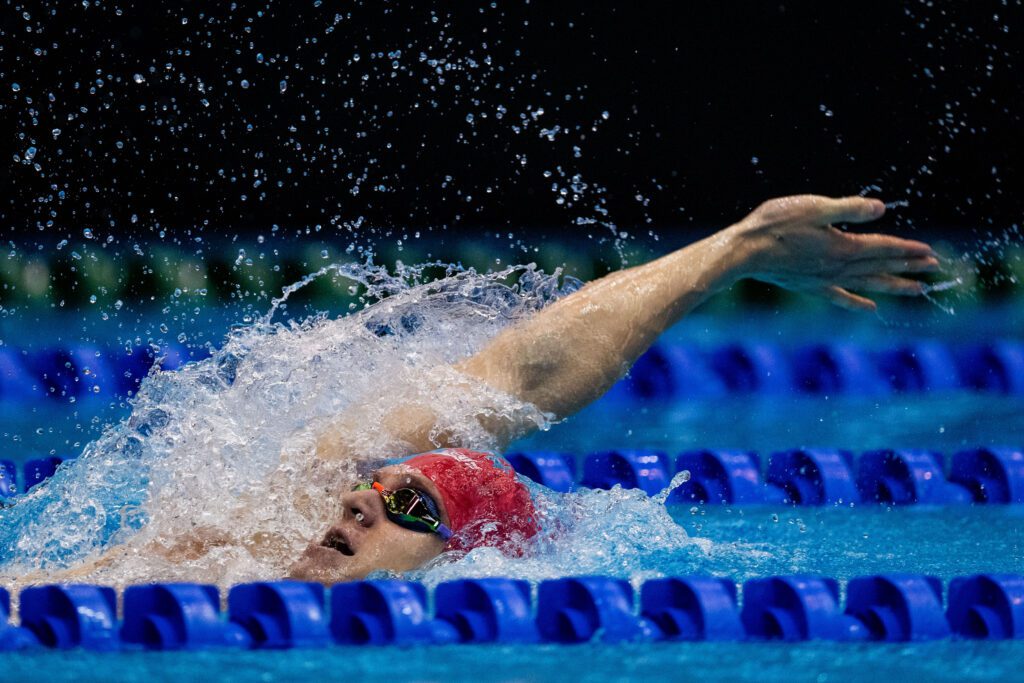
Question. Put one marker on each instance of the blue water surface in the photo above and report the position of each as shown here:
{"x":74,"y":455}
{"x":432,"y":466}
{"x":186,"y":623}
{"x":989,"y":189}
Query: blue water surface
{"x":745,"y":542}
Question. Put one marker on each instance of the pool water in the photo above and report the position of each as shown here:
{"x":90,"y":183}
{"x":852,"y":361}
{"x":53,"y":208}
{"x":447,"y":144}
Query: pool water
{"x":737,"y":542}
{"x":814,"y":662}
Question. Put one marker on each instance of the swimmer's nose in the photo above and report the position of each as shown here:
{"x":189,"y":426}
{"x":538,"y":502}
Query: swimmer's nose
{"x":366,"y":508}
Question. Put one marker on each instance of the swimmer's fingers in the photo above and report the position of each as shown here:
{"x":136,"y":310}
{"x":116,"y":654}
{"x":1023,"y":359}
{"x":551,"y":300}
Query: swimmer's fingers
{"x":887,"y":246}
{"x":882,"y":266}
{"x":887,"y":284}
{"x":849,"y":209}
{"x":845,"y":299}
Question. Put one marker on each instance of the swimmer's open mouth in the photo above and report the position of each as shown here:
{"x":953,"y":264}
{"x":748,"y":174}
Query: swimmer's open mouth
{"x":335,"y":541}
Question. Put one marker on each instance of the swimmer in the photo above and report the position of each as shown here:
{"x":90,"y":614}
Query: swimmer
{"x":458,"y":499}
{"x":453,"y":497}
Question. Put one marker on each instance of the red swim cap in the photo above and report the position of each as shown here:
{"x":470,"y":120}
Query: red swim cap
{"x":486,"y":504}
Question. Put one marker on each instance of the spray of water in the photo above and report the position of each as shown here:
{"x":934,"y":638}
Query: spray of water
{"x":214,"y":476}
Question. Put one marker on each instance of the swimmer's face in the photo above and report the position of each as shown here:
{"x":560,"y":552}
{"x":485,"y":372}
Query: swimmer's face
{"x":364,"y":540}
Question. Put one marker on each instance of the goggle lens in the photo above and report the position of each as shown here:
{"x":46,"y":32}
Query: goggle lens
{"x":407,"y":508}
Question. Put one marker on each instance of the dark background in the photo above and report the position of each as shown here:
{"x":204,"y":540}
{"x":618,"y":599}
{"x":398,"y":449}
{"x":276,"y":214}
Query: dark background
{"x":711,"y":108}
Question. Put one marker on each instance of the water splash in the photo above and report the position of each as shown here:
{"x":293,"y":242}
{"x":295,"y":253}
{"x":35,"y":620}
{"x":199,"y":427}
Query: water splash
{"x":215,"y":468}
{"x":619,"y":532}
{"x":678,"y":480}
{"x":928,"y":289}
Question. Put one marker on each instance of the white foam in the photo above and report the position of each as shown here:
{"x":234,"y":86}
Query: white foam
{"x":223,"y":450}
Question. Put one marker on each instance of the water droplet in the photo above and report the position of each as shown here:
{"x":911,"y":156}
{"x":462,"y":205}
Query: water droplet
{"x":283,"y":85}
{"x":138,"y":78}
{"x":244,"y":84}
{"x":15,"y":87}
{"x":88,"y":234}
{"x":469,"y":118}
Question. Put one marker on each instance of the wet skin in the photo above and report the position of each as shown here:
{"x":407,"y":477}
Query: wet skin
{"x":364,"y":540}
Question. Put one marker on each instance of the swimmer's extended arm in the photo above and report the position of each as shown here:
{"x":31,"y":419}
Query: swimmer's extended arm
{"x":571,"y":352}
{"x":574,"y":350}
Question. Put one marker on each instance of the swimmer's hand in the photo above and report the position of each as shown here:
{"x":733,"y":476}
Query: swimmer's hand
{"x":791,"y":242}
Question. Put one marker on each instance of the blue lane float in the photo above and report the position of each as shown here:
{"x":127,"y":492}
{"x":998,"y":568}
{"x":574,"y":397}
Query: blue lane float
{"x":66,"y":617}
{"x":487,"y":610}
{"x":584,"y":608}
{"x":898,"y":607}
{"x":15,"y":385}
{"x":78,"y":372}
{"x":557,"y":471}
{"x":753,"y":368}
{"x":291,"y":614}
{"x":902,"y":477}
{"x":806,"y":476}
{"x":692,"y":608}
{"x":814,"y":476}
{"x":838,"y":369}
{"x":923,"y":366}
{"x":280,"y":615}
{"x":388,"y":612}
{"x":991,"y":475}
{"x":84,"y":371}
{"x":669,"y":371}
{"x":723,"y":477}
{"x":987,"y":606}
{"x":666,"y":371}
{"x":179,"y":616}
{"x":996,"y":367}
{"x":629,"y":468}
{"x":794,"y":608}
{"x":13,"y":638}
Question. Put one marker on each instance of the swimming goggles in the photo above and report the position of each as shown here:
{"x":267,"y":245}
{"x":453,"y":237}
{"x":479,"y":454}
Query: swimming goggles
{"x":410,"y":509}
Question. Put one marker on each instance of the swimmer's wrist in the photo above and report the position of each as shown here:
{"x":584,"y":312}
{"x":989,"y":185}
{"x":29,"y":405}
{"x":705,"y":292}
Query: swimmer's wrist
{"x":738,"y":254}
